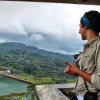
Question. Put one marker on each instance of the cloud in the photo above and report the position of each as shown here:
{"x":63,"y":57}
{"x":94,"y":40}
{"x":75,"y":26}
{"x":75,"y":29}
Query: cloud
{"x":36,"y":37}
{"x":2,"y":40}
{"x":51,"y":26}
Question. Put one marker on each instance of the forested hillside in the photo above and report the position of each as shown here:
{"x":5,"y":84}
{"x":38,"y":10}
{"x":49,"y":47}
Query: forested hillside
{"x":31,"y":60}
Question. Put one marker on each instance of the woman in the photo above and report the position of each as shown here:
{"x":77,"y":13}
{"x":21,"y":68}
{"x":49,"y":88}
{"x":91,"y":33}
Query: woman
{"x":87,"y":65}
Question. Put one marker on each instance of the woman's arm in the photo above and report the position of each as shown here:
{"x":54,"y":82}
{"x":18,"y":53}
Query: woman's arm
{"x":85,"y":75}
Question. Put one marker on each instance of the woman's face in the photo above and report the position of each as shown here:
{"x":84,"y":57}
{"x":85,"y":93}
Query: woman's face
{"x":82,"y":31}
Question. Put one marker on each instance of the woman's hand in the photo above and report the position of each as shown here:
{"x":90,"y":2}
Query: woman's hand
{"x":71,"y":69}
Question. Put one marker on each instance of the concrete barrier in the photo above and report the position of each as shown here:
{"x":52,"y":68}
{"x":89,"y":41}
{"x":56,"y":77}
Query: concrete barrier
{"x":53,"y":91}
{"x":25,"y":81}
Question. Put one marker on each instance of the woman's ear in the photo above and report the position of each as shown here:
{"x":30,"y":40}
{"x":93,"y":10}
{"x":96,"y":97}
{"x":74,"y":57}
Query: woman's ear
{"x":85,"y":27}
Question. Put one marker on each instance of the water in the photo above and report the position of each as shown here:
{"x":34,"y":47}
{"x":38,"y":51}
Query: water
{"x":8,"y":86}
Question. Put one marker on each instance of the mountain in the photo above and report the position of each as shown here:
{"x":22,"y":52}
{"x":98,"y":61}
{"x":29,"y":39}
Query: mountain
{"x":20,"y":46}
{"x":14,"y":45}
{"x":32,"y":60}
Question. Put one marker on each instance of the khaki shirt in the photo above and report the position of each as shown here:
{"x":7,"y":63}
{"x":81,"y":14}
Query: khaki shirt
{"x":90,"y":63}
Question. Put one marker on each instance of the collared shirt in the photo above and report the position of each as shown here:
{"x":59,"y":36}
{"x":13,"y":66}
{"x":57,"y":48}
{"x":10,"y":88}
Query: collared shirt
{"x":90,"y":63}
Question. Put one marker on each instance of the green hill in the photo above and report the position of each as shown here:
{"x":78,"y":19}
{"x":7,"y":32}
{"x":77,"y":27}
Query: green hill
{"x":31,"y":60}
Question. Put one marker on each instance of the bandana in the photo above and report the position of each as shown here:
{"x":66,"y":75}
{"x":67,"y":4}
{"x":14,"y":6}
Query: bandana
{"x":86,"y":21}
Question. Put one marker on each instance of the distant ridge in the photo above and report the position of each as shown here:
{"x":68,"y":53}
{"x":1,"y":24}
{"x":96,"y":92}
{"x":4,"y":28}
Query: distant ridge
{"x":14,"y":45}
{"x":21,"y":46}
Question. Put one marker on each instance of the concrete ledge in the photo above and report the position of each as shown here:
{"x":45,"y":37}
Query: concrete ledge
{"x":18,"y":79}
{"x":52,"y":91}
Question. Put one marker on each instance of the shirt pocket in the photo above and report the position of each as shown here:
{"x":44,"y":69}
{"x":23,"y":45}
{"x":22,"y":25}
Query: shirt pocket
{"x":88,"y":63}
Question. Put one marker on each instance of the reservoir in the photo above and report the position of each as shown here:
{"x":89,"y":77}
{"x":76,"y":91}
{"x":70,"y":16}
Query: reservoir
{"x":8,"y":86}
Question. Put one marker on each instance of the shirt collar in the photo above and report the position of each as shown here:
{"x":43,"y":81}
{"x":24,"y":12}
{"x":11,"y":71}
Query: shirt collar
{"x":91,"y":43}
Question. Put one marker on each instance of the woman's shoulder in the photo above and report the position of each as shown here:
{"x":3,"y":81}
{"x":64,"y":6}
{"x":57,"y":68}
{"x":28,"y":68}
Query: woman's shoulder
{"x":98,"y":42}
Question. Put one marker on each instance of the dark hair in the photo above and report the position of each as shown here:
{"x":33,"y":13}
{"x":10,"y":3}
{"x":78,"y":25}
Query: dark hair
{"x":94,"y":19}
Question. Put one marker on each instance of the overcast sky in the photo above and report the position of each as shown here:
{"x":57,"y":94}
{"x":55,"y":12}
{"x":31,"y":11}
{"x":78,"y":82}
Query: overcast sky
{"x":50,"y":26}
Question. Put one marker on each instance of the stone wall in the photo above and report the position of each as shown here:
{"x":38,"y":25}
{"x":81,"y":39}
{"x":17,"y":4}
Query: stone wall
{"x":53,"y":91}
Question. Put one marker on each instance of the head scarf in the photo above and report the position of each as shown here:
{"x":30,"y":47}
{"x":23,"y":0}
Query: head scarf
{"x":86,"y":21}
